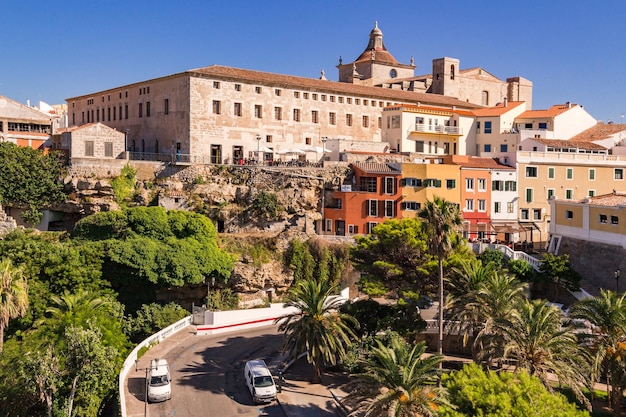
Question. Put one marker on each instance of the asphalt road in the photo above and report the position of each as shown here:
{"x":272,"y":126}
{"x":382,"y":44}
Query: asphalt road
{"x":207,"y":375}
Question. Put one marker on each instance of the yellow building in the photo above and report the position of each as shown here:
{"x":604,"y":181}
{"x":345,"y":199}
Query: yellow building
{"x":420,"y":182}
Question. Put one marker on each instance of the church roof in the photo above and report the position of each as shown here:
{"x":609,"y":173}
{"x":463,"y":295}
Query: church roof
{"x":376,"y":52}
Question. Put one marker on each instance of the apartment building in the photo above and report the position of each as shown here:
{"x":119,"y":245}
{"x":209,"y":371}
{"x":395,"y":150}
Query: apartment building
{"x":24,"y":125}
{"x":373,"y":197}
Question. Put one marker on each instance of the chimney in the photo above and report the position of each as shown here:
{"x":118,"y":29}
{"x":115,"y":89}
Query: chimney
{"x":568,"y":105}
{"x":506,"y":101}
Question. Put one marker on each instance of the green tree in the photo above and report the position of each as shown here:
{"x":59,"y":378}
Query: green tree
{"x":535,"y":339}
{"x":266,"y":205}
{"x":442,"y":218}
{"x":395,"y":250}
{"x":124,"y":184}
{"x":30,"y":179}
{"x":13,"y":295}
{"x":475,"y":392}
{"x":42,"y":373}
{"x":492,"y":256}
{"x":495,"y":300}
{"x":607,"y":316}
{"x":557,"y":270}
{"x":318,"y":328}
{"x":151,"y":318}
{"x":465,"y":284}
{"x":521,"y":269}
{"x":91,"y":367}
{"x":398,"y":381}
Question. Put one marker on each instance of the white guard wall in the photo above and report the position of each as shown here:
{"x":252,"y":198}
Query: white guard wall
{"x":572,"y":122}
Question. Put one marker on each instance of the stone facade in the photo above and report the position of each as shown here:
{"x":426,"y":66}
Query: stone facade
{"x":93,"y":140}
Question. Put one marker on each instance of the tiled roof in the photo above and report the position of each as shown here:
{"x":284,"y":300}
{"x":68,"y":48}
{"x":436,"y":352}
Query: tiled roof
{"x":497,"y":110}
{"x":427,"y":108}
{"x":333,"y":87}
{"x":609,"y":200}
{"x":376,"y":168}
{"x":12,"y":110}
{"x":599,"y":132}
{"x":553,"y":111}
{"x":571,"y":143}
{"x":478,"y":162}
{"x":381,"y":55}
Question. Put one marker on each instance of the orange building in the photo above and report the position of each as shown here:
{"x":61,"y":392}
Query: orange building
{"x":372,"y":198}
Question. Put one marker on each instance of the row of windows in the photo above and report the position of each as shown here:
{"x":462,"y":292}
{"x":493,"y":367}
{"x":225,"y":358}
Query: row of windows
{"x":469,"y":205}
{"x":314,"y":96}
{"x":602,"y":218}
{"x":532,"y":172}
{"x":352,"y":228}
{"x":503,"y":147}
{"x":27,"y":127}
{"x":386,"y":208}
{"x":481,"y":182}
{"x":112,"y":113}
{"x":550,"y":192}
{"x":427,"y":182}
{"x":108,"y":149}
{"x":297,"y":114}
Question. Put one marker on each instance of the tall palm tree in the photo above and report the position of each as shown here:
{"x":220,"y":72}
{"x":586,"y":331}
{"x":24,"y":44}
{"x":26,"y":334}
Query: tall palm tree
{"x":607,"y":316}
{"x":441,"y":219}
{"x":318,"y":328}
{"x":13,"y":295}
{"x":398,"y":382}
{"x":534,"y":338}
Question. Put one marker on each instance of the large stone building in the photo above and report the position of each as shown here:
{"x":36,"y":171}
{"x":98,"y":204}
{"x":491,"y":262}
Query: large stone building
{"x":220,"y":114}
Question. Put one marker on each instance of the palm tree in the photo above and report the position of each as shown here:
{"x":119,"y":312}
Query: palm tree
{"x":441,"y":218}
{"x":607,"y":316}
{"x":13,"y":295}
{"x":465,"y":284}
{"x":318,"y":328}
{"x":397,"y":382}
{"x":534,"y":338}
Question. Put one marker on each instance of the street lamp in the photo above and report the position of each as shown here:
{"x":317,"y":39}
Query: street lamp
{"x":324,"y":139}
{"x":617,"y":273}
{"x":258,"y":148}
{"x":208,"y":292}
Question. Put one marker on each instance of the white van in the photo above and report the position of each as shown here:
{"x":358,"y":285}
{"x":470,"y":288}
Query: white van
{"x":259,"y":381}
{"x":159,"y":381}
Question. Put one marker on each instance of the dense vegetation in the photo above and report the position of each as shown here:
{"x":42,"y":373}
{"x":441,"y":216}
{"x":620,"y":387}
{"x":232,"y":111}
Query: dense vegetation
{"x":30,"y":179}
{"x":91,"y":295}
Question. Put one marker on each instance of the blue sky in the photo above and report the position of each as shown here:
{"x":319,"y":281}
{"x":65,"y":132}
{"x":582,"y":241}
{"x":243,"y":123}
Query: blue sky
{"x":571,"y":50}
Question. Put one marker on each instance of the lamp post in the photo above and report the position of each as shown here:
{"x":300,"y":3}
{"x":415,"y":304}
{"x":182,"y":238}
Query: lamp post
{"x":258,"y":148}
{"x":617,"y":274}
{"x":208,"y":292}
{"x":324,"y":139}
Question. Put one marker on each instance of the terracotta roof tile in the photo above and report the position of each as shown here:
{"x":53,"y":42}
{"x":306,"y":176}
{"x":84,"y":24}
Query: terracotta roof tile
{"x":571,"y":143}
{"x":376,"y":168}
{"x":291,"y":81}
{"x":553,"y":111}
{"x":599,"y":132}
{"x":478,"y":162}
{"x":497,"y":110}
{"x":609,"y":200}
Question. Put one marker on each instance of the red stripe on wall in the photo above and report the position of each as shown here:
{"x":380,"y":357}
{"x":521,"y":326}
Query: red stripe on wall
{"x":234,"y":325}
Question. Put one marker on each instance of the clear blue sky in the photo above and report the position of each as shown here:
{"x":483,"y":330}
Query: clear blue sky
{"x":571,"y":50}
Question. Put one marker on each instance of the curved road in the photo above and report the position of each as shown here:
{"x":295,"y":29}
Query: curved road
{"x":207,"y":374}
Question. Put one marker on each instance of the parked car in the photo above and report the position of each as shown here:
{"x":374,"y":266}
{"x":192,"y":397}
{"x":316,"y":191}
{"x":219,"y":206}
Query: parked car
{"x":259,"y":381}
{"x":159,"y":381}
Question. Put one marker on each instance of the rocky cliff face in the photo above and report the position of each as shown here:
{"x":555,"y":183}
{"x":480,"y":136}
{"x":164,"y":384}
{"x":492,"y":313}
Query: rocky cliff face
{"x":227,"y":196}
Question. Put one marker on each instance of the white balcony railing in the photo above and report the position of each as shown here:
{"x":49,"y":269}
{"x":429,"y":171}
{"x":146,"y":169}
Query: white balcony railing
{"x":452,"y":130}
